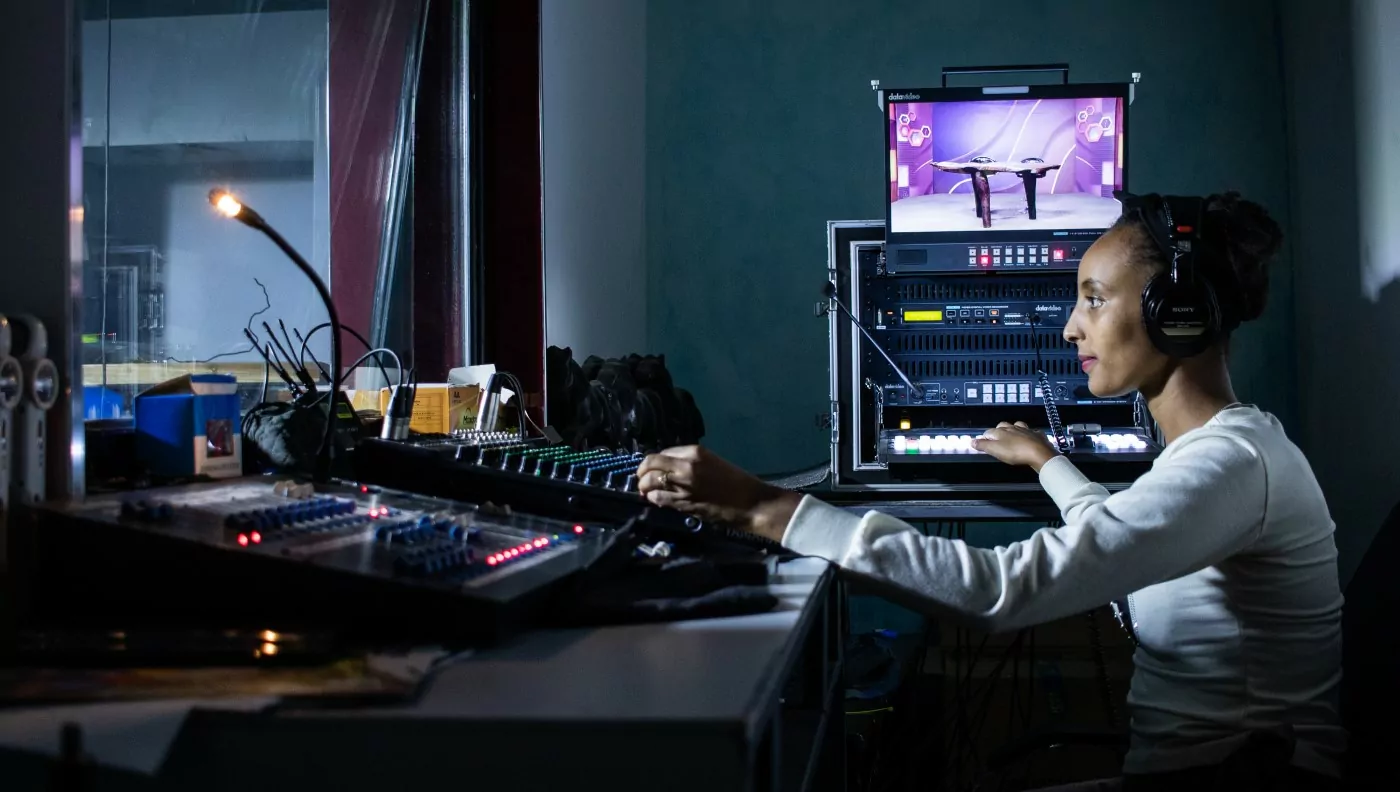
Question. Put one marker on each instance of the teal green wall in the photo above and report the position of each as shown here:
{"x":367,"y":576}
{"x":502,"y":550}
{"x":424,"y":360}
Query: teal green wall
{"x":761,"y":126}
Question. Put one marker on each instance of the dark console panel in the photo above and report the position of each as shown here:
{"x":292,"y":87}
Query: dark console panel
{"x":256,"y":553}
{"x":1056,"y":253}
{"x":543,"y":478}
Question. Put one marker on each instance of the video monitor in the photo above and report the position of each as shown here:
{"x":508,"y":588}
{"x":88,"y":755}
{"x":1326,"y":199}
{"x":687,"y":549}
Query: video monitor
{"x":1029,"y":167}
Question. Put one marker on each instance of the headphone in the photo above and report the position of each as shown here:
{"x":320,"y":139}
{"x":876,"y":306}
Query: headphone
{"x":1181,"y":310}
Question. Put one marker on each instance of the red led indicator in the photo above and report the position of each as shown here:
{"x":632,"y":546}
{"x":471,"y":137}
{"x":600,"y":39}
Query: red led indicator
{"x":363,"y":488}
{"x":578,"y":529}
{"x":544,"y":542}
{"x":1184,"y":229}
{"x":255,"y":536}
{"x":985,"y":260}
{"x":492,"y":561}
{"x":513,"y":553}
{"x":243,"y":540}
{"x":1059,"y":255}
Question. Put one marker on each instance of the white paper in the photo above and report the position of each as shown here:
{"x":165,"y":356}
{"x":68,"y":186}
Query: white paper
{"x":130,"y":735}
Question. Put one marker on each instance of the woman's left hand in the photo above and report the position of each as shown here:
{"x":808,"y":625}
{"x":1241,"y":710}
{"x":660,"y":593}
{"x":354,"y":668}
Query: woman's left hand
{"x":1016,"y":444}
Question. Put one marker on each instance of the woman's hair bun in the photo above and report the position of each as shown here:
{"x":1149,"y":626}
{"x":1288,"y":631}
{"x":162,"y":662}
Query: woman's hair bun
{"x":1241,"y":236}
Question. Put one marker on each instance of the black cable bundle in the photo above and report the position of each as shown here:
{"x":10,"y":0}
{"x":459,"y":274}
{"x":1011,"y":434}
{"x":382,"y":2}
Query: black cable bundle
{"x":629,"y":402}
{"x":1101,"y":669}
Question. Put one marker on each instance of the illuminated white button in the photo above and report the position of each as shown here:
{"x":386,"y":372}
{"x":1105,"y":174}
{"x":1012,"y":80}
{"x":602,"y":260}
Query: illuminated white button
{"x":940,"y":443}
{"x":925,"y":443}
{"x":971,"y":392}
{"x":901,"y":444}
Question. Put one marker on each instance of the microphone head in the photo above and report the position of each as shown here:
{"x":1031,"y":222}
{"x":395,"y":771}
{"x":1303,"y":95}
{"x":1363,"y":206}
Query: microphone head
{"x":829,"y":289}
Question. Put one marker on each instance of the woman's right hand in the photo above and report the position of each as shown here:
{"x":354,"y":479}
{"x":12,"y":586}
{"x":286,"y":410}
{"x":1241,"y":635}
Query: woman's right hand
{"x":693,"y":479}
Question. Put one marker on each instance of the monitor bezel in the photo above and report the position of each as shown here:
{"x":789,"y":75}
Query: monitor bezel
{"x":993,"y":94}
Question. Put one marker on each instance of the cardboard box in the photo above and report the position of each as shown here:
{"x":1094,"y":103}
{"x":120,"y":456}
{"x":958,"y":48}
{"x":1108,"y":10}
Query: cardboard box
{"x":363,"y":399}
{"x":190,"y":426}
{"x":439,"y":407}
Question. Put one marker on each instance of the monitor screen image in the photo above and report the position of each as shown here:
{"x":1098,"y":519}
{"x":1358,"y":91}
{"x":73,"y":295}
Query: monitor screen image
{"x":1005,"y":165}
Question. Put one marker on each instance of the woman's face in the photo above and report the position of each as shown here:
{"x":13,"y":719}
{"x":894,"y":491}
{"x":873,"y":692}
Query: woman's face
{"x":1106,"y":323}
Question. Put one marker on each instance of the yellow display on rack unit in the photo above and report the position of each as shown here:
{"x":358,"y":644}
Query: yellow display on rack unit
{"x":923,"y":315}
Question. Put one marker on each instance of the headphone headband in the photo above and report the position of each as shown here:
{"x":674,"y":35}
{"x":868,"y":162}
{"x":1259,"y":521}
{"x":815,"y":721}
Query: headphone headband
{"x":1172,"y":221}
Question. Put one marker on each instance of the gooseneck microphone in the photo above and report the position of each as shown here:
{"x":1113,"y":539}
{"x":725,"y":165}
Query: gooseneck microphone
{"x":830,"y":291}
{"x":231,"y":207}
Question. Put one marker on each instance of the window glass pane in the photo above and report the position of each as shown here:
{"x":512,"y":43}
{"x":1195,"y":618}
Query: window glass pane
{"x":181,"y":97}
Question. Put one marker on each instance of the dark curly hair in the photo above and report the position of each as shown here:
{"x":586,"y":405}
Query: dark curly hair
{"x":1238,"y":242}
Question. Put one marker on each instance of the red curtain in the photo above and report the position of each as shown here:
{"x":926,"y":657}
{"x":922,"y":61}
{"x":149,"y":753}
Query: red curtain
{"x":368,"y":39}
{"x":367,"y":45}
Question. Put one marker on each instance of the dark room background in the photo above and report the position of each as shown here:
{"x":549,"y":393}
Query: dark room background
{"x":693,"y":153}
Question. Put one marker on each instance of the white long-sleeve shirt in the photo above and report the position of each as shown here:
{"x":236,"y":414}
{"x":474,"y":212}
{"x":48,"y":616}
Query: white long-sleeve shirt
{"x":1226,"y":548}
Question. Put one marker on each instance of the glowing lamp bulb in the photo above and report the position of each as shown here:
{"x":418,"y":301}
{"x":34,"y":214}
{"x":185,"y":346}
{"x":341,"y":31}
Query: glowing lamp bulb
{"x":227,"y":205}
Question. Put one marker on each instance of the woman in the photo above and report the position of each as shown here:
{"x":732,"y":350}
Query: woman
{"x":1225,"y":545}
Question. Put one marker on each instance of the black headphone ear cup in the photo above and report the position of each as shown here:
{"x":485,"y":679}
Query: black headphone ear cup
{"x":645,"y":421}
{"x":1181,"y":320}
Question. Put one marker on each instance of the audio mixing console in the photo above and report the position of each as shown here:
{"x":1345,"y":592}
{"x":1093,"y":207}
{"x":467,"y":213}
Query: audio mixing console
{"x":544,"y":478}
{"x":254,"y":553}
